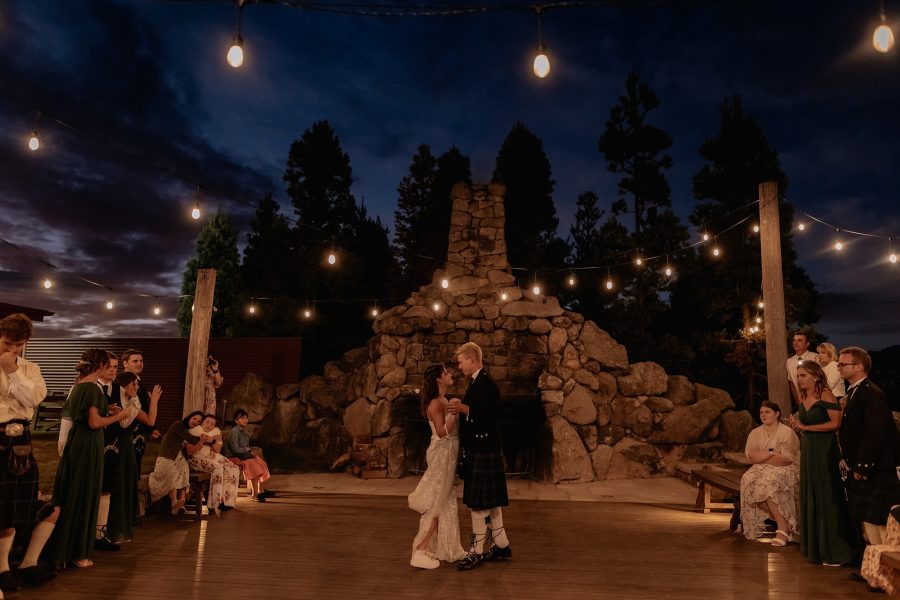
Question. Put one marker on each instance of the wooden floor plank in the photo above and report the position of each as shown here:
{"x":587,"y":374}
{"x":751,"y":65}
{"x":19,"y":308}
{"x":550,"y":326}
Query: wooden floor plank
{"x":332,"y":546}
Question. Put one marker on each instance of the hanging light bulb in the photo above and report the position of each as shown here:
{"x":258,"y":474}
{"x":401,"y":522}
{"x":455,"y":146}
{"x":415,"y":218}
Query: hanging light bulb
{"x":759,"y":319}
{"x":307,"y":313}
{"x":252,"y":309}
{"x":609,"y":284}
{"x":892,"y":256}
{"x":195,"y":212}
{"x":436,"y":306}
{"x":48,"y":284}
{"x":668,"y":270}
{"x":801,"y":226}
{"x":755,"y":228}
{"x":445,"y":283}
{"x":571,"y":280}
{"x":33,"y":142}
{"x":541,"y":65}
{"x":157,"y":311}
{"x":503,"y":296}
{"x":883,"y":37}
{"x":838,"y":243}
{"x":705,"y":237}
{"x":374,"y":312}
{"x":639,"y":261}
{"x":760,"y":304}
{"x":235,"y":56}
{"x":716,"y":251}
{"x":536,"y":290}
{"x":109,"y":304}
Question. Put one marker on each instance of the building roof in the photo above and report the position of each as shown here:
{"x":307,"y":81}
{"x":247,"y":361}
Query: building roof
{"x":35,"y":314}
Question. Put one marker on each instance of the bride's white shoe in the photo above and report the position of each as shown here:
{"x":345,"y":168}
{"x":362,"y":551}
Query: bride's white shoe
{"x":422,"y":561}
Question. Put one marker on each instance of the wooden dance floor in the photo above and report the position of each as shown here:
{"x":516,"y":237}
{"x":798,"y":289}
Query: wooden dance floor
{"x":342,"y":546}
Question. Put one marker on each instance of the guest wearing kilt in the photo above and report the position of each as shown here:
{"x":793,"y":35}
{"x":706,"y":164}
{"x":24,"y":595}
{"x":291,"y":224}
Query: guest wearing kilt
{"x":484,"y":490}
{"x":79,"y":477}
{"x":870,"y":447}
{"x":24,"y":520}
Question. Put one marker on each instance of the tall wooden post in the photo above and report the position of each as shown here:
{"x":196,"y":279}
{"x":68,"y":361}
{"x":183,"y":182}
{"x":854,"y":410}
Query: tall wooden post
{"x":773,"y":296}
{"x":195,"y":378}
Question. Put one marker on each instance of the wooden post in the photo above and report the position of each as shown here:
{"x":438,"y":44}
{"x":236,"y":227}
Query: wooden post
{"x":195,"y":378}
{"x":773,"y":296}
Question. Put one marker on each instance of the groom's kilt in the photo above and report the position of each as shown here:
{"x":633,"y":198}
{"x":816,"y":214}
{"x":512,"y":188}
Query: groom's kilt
{"x":19,"y":505}
{"x":485,"y":481}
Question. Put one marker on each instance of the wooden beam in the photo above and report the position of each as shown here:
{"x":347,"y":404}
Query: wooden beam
{"x":198,"y":347}
{"x":773,"y":296}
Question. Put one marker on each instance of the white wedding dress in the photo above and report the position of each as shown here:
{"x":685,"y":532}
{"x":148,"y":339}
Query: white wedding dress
{"x":435,"y":497}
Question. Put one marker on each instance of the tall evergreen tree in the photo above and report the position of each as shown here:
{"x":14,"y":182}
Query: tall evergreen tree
{"x":216,"y":249}
{"x":531,"y":221}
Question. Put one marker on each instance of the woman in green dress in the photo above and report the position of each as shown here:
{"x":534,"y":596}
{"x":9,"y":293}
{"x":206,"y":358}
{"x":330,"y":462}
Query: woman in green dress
{"x":827,"y":533}
{"x":77,"y":487}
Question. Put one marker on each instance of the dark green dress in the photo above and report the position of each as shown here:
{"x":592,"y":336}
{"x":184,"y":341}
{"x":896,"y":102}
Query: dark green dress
{"x":827,"y":532}
{"x":123,"y":500}
{"x":76,"y":489}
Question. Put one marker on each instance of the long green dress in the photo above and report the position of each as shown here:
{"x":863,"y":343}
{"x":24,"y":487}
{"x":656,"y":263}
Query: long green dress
{"x":76,"y":489}
{"x":123,"y":501}
{"x":827,"y":532}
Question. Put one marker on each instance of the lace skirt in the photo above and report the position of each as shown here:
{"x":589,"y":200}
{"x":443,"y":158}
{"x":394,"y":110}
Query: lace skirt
{"x":762,"y":482}
{"x":435,"y":498}
{"x":168,"y":475}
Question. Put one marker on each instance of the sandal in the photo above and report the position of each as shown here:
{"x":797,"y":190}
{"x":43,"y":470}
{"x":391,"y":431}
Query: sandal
{"x":84,"y":563}
{"x":777,"y":541}
{"x":178,"y":506}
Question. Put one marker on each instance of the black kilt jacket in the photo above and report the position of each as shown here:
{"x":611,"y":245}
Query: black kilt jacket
{"x":870,"y":445}
{"x":479,"y":431}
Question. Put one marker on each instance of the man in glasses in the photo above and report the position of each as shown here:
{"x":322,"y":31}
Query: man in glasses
{"x":870,"y":446}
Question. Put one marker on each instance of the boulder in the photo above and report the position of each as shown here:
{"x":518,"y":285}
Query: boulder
{"x":540,"y":326}
{"x":395,"y":378}
{"x":686,"y":424}
{"x":549,"y":382}
{"x":557,"y":340}
{"x":578,"y":407}
{"x":610,"y":434}
{"x":734,"y":428}
{"x":643,"y":379}
{"x":283,"y":421}
{"x":632,"y":459}
{"x":545,"y":307}
{"x":719,"y":398}
{"x":569,"y":460}
{"x":587,"y":379}
{"x":679,"y":390}
{"x":600,"y":459}
{"x":358,"y":417}
{"x":391,"y":447}
{"x":599,"y":346}
{"x":631,"y":414}
{"x":286,"y":391}
{"x":253,"y":395}
{"x":659,"y":404}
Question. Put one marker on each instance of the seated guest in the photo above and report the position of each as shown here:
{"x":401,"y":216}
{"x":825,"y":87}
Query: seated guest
{"x":237,"y":449}
{"x":224,"y":475}
{"x":877,"y":574}
{"x":828,"y":356}
{"x":770,"y":488}
{"x":171,"y":474}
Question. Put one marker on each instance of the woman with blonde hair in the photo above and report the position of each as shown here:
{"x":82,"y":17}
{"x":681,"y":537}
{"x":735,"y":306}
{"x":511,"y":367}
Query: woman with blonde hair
{"x":827,"y":357}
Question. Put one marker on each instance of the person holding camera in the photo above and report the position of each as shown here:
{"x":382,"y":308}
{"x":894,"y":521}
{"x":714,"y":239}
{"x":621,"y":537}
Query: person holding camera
{"x":213,"y":382}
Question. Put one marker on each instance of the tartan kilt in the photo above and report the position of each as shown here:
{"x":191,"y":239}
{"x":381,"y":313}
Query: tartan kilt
{"x":19,"y":505}
{"x":871,"y":500}
{"x":484,"y":481}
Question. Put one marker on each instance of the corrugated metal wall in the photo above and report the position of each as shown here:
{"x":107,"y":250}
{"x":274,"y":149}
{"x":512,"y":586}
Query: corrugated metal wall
{"x":275,"y":360}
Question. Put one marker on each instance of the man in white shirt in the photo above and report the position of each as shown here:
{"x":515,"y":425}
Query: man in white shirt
{"x":800,"y":343}
{"x":22,"y":388}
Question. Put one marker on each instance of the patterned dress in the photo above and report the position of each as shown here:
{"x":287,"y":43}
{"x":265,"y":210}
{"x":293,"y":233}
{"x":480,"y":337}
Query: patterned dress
{"x":764,"y":481}
{"x":435,"y":498}
{"x":877,"y":574}
{"x":224,"y":474}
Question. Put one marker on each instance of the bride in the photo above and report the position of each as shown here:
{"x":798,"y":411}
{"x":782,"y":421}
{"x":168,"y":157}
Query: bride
{"x":435,"y":496}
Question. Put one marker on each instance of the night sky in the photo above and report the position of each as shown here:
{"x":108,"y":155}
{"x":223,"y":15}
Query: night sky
{"x":136,"y":92}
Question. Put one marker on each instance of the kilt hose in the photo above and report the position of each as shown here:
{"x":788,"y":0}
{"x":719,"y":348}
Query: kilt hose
{"x":484,"y":481}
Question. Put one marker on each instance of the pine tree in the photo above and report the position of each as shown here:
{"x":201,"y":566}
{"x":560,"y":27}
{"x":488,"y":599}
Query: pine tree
{"x":531,"y":221}
{"x":216,"y":249}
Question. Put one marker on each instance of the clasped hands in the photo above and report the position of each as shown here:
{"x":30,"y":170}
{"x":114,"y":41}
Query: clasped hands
{"x":457,"y":407}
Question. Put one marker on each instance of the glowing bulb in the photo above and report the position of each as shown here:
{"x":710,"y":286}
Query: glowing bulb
{"x":109,"y":305}
{"x":536,"y":290}
{"x":33,"y":142}
{"x":195,"y":212}
{"x":802,"y":226}
{"x":503,"y":296}
{"x":639,"y":261}
{"x":883,"y":38}
{"x":252,"y":310}
{"x":541,"y":65}
{"x":445,"y":283}
{"x":307,"y":314}
{"x":839,"y":246}
{"x":609,"y":284}
{"x":48,"y":284}
{"x":157,"y":311}
{"x":331,"y":258}
{"x":705,"y":237}
{"x":571,"y":281}
{"x":236,"y":52}
{"x":436,"y":306}
{"x":716,"y":251}
{"x":756,"y":229}
{"x":893,"y":258}
{"x":761,"y":304}
{"x":759,"y":319}
{"x":668,"y":271}
{"x":192,"y":308}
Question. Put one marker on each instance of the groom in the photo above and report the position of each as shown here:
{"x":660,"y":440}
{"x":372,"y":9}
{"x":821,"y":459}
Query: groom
{"x":484,"y":490}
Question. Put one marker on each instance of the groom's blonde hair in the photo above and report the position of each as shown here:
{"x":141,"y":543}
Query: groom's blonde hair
{"x":470,"y":350}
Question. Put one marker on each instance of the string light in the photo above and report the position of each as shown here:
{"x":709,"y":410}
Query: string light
{"x":536,"y":288}
{"x":33,"y":142}
{"x":157,"y":311}
{"x":503,"y":296}
{"x":307,"y":313}
{"x":195,"y":212}
{"x":109,"y":304}
{"x":251,"y":309}
{"x":883,"y":37}
{"x":235,"y":56}
{"x":332,"y":256}
{"x":445,"y":283}
{"x":571,"y":281}
{"x":705,"y":237}
{"x":755,"y":228}
{"x":759,"y":319}
{"x":639,"y":261}
{"x":801,"y":226}
{"x":541,"y":65}
{"x":716,"y":251}
{"x":374,"y":311}
{"x":609,"y":281}
{"x":892,"y":256}
{"x":760,"y":304}
{"x":436,"y":306}
{"x":48,"y":284}
{"x":838,"y":243}
{"x":668,"y":270}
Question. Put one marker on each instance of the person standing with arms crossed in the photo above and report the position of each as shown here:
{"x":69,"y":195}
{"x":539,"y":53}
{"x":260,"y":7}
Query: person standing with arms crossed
{"x":484,"y":489}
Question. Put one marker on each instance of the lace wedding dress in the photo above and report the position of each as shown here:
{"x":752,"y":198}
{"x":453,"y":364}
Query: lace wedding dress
{"x":435,"y":497}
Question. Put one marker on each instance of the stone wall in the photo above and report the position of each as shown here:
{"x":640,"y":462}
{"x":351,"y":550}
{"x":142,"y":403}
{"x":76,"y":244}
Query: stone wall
{"x":606,"y":418}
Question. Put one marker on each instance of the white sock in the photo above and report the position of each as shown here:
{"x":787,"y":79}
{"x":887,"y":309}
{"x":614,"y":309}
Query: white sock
{"x":39,"y":538}
{"x":5,"y":547}
{"x":102,"y":516}
{"x":479,"y":529}
{"x":497,"y":530}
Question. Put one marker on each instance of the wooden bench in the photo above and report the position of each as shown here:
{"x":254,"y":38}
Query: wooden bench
{"x":198,"y":487}
{"x":48,"y":413}
{"x":727,"y":480}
